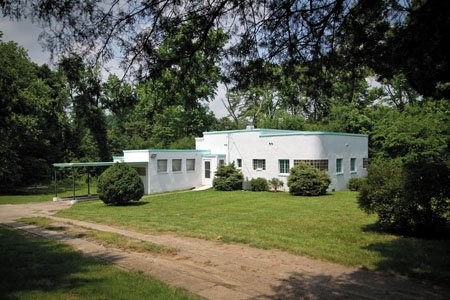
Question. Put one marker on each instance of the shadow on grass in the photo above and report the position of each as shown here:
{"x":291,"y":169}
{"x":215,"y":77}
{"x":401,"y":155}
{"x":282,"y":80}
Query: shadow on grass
{"x":131,"y":203}
{"x":360,"y":284}
{"x":413,"y":257}
{"x":34,"y":264}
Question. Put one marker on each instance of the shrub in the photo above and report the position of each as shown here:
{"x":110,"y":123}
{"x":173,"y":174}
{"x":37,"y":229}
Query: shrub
{"x":120,"y":184}
{"x":228,"y":178}
{"x":275,"y":184}
{"x":259,"y":185}
{"x":356,"y":183}
{"x":410,"y":198}
{"x":306,"y":180}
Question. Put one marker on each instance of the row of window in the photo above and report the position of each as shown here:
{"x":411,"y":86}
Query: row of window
{"x":321,"y":164}
{"x":177,"y":165}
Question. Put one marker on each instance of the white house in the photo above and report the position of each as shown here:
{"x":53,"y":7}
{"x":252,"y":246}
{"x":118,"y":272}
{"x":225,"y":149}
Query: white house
{"x":266,"y":153}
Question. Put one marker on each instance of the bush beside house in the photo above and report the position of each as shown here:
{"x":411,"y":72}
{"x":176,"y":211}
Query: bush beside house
{"x":259,"y":185}
{"x":228,"y":178}
{"x":120,"y":184}
{"x":306,"y":180}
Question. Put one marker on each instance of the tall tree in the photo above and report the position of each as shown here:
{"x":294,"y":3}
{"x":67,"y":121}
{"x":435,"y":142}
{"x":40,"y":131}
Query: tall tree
{"x":88,"y":117}
{"x":33,"y":125}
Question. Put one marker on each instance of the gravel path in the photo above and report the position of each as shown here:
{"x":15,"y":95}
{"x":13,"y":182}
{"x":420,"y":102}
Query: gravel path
{"x":217,"y":270}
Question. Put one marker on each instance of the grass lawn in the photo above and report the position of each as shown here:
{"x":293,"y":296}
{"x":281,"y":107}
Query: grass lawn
{"x":44,"y":193}
{"x":330,"y":227}
{"x":35,"y":268}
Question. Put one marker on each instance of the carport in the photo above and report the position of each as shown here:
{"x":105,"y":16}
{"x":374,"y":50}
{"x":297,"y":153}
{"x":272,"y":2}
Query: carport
{"x":72,"y":166}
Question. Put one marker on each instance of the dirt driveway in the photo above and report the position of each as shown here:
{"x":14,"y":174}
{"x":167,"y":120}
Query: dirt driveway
{"x":216,"y":270}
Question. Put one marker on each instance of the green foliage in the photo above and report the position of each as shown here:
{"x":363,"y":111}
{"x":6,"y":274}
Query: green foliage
{"x":356,"y":183}
{"x":120,"y":184}
{"x":275,"y":184}
{"x":305,"y":180}
{"x":228,"y":178}
{"x":259,"y":184}
{"x":33,"y":124}
{"x":411,"y":198}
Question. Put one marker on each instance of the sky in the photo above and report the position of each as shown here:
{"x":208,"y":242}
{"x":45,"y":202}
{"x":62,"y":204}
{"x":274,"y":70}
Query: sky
{"x":26,"y":34}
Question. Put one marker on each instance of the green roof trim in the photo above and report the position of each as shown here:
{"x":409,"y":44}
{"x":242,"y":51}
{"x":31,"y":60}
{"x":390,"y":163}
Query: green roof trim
{"x":84,"y":164}
{"x":164,"y":150}
{"x":313,"y":133}
{"x":264,"y":132}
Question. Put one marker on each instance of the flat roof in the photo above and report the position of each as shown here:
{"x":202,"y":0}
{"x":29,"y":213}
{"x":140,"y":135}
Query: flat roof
{"x":165,"y":150}
{"x":84,"y":164}
{"x":281,"y":132}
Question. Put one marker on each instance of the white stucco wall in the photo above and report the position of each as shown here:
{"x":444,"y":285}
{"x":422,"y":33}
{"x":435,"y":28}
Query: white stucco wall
{"x":273,"y":145}
{"x":156,"y":182}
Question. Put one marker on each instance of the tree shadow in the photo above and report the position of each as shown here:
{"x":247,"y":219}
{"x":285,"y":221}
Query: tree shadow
{"x":128,"y":204}
{"x":360,"y":284}
{"x":35,"y":264}
{"x":420,"y":258}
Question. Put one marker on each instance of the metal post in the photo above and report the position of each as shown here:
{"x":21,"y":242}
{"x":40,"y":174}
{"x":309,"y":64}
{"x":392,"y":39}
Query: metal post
{"x":88,"y":182}
{"x":56,"y":185}
{"x":73,"y":183}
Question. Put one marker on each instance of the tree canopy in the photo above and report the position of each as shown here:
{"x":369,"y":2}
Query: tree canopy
{"x":389,"y":36}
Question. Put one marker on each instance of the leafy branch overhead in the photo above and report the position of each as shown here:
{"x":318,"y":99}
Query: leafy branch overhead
{"x":389,"y":36}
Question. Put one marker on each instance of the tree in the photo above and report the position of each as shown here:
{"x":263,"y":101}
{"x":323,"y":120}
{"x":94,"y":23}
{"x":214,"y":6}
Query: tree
{"x":390,"y":36}
{"x":410,"y":198}
{"x":33,"y":125}
{"x":89,"y":119}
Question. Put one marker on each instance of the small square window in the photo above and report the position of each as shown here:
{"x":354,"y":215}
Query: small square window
{"x":190,"y":164}
{"x":339,"y":166}
{"x":162,"y":165}
{"x":259,"y":164}
{"x":176,"y":165}
{"x":352,"y":164}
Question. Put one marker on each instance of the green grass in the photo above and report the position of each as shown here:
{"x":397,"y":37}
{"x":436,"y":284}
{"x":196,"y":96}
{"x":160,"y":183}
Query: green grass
{"x":106,"y":238}
{"x":44,"y":193}
{"x":35,"y":268}
{"x":330,"y":227}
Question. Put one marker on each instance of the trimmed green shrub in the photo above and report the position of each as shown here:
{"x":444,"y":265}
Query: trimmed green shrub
{"x":306,"y":180}
{"x":275,"y":184}
{"x":356,"y":183}
{"x":259,"y":185}
{"x":120,"y":184}
{"x":411,"y":198}
{"x":228,"y":178}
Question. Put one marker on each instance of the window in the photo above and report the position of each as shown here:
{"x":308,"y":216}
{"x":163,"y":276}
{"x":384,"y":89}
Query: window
{"x":239,"y":163}
{"x":190,"y":164}
{"x":221,"y":162}
{"x":141,"y":171}
{"x":162,"y":165}
{"x":283,"y":166}
{"x":339,"y":165}
{"x":176,"y":165}
{"x":259,"y":164}
{"x":207,"y":169}
{"x":365,"y":162}
{"x":321,"y":164}
{"x":352,"y":164}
